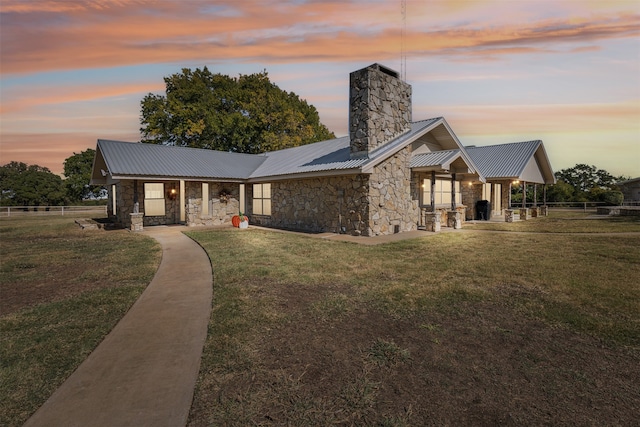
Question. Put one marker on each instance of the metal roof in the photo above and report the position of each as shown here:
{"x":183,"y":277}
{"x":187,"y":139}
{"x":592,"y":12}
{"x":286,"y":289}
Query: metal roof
{"x":137,"y":159}
{"x":126,"y":159}
{"x":436,"y":158}
{"x":331,"y":155}
{"x":504,"y":160}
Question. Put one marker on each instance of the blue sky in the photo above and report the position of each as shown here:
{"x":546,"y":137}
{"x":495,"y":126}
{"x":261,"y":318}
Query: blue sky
{"x":564,"y":71}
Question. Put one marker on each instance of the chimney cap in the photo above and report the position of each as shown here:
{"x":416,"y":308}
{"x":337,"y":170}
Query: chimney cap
{"x":385,"y":70}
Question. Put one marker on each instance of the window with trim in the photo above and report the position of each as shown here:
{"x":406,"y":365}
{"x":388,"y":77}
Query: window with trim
{"x":262,"y":199}
{"x":154,"y":199}
{"x":442,"y":192}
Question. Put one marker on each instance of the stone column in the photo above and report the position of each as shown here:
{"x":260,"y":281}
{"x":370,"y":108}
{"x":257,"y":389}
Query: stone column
{"x":137,"y":222}
{"x":524,"y":214}
{"x":453,"y":220}
{"x":432,"y":221}
{"x":534,"y":212}
{"x":508,"y":215}
{"x":544,"y":210}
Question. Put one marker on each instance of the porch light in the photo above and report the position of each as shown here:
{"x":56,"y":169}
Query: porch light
{"x":172,"y":194}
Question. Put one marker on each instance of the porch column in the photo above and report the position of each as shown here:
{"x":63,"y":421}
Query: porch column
{"x":433,"y":191}
{"x":509,"y":198}
{"x":182,"y":201}
{"x":453,"y":192}
{"x":535,"y":195}
{"x":544,"y":194}
{"x":524,"y":194}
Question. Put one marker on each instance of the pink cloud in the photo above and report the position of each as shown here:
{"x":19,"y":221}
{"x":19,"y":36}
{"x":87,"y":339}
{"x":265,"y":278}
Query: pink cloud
{"x":126,"y":33}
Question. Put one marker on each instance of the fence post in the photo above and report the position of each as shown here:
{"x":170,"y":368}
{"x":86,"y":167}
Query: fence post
{"x":63,"y":211}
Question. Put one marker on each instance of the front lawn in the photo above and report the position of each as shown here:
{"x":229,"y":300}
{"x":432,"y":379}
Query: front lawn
{"x":63,"y":289}
{"x":469,"y":328}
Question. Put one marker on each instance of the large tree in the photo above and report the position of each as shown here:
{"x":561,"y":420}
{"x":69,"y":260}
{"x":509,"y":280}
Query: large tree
{"x":77,"y":170}
{"x":586,"y":183}
{"x":29,"y":185}
{"x":248,"y":114}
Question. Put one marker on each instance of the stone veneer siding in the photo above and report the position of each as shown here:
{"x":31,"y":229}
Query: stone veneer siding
{"x":394,"y":201}
{"x":379,"y":109}
{"x":383,"y":202}
{"x":315,"y":204}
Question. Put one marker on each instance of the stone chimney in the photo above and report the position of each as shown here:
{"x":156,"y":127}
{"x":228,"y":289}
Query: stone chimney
{"x":379,"y":108}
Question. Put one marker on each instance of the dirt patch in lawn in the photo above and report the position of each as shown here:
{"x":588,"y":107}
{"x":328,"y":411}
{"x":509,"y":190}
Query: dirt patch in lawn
{"x":471,"y":363}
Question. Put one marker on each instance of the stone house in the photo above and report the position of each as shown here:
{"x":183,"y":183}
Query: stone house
{"x":389,"y":175}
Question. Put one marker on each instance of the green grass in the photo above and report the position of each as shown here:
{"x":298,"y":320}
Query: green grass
{"x":566,"y":221}
{"x":45,"y":333}
{"x":583,"y":283}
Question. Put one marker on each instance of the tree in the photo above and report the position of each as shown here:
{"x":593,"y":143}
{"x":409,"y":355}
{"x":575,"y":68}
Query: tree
{"x":248,"y":114}
{"x":77,"y":170}
{"x":585,"y":177}
{"x":587,"y":183}
{"x":23,"y":185}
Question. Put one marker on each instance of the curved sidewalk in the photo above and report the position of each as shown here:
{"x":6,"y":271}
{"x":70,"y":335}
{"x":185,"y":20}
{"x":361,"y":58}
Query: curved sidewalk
{"x":144,"y":372}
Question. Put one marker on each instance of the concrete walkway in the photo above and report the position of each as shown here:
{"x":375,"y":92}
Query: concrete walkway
{"x":144,"y":372}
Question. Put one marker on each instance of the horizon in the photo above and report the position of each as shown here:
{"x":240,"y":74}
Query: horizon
{"x":564,"y":72}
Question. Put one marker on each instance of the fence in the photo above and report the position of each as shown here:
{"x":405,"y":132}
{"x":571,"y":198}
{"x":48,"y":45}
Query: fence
{"x":11,"y":211}
{"x":584,"y":206}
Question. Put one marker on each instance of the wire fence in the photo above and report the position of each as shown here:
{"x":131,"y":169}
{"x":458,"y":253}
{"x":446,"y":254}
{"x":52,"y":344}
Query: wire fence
{"x":584,"y":206}
{"x":12,"y":211}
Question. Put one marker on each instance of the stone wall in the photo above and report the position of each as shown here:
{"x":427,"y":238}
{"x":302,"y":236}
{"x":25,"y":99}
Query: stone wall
{"x":379,"y":108}
{"x":221,"y":209}
{"x":330,"y":204}
{"x":471,"y":194}
{"x":394,"y":202}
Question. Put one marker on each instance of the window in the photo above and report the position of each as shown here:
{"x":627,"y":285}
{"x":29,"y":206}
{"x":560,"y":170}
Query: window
{"x":442,"y":192}
{"x":153,"y":199}
{"x":262,"y":199}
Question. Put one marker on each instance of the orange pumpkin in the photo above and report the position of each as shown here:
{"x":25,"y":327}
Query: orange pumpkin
{"x":236,"y":220}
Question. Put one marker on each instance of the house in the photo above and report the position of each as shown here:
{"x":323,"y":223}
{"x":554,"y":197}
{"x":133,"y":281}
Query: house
{"x":631,"y":190}
{"x":386,"y":177}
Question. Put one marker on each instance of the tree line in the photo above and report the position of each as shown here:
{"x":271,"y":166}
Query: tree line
{"x":580,"y":183}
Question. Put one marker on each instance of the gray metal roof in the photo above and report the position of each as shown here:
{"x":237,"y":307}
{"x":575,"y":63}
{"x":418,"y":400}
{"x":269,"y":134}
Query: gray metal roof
{"x":136,"y":159}
{"x":126,"y":159}
{"x":504,"y":160}
{"x":330,"y":155}
{"x":436,"y":158}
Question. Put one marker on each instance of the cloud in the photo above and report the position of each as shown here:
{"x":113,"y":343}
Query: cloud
{"x":23,"y":98}
{"x":43,"y":36}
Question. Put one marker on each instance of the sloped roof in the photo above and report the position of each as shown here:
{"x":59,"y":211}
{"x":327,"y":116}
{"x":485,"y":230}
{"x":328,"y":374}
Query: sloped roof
{"x":509,"y":161}
{"x":126,"y":159}
{"x":436,"y":158}
{"x":332,"y":155}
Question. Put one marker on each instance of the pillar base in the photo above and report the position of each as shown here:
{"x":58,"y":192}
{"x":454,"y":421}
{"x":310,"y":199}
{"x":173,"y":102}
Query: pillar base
{"x":432,"y":221}
{"x":525,"y":214}
{"x":453,"y":220}
{"x":508,"y":215}
{"x":137,"y":222}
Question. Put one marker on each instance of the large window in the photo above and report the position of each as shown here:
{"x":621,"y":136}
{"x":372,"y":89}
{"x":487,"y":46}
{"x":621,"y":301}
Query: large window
{"x":262,"y":199}
{"x":442,"y":192}
{"x":153,"y":199}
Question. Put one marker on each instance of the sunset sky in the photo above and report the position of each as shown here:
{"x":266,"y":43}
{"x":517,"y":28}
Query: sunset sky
{"x":563,"y":71}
